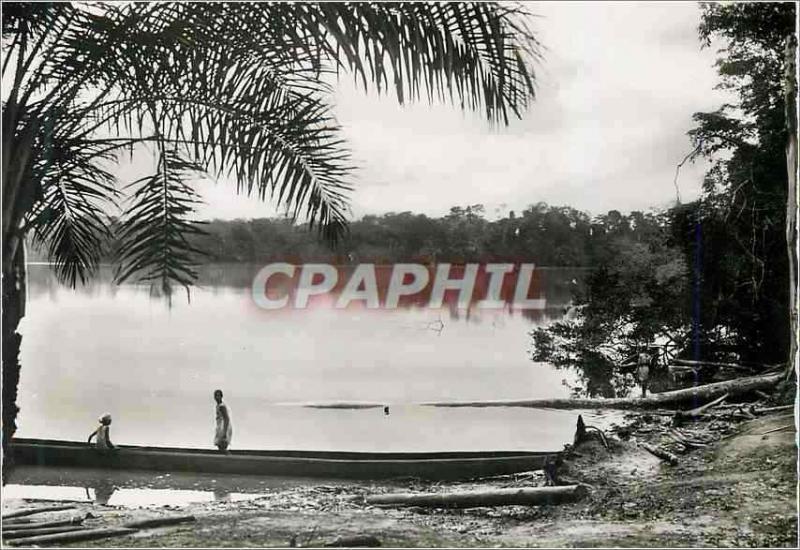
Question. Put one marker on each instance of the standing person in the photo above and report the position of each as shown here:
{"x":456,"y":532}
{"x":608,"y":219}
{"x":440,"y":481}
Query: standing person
{"x":103,"y":434}
{"x":222,"y":437}
{"x":643,"y":370}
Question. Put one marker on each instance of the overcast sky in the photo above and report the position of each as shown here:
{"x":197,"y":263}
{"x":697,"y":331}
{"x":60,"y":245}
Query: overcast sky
{"x":616,"y":91}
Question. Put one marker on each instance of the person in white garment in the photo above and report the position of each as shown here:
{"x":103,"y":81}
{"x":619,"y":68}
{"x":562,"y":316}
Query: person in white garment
{"x":643,"y":361}
{"x":224,"y":431}
{"x":103,"y":434}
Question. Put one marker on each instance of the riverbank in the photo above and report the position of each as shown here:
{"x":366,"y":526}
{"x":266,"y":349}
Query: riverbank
{"x":740,"y":490}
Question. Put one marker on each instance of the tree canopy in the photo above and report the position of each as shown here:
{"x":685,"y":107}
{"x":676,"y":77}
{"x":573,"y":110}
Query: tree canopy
{"x":712,"y":280}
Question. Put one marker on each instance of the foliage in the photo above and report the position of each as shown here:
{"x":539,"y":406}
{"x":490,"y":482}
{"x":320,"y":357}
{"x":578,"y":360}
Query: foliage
{"x":636,"y":293}
{"x":710,"y":280}
{"x":735,"y":235}
{"x":228,"y":89}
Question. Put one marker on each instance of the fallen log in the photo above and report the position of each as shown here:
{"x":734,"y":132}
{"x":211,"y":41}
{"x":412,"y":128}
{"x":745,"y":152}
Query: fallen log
{"x":773,"y":409}
{"x":781,"y":429}
{"x":733,"y":366}
{"x":76,"y":536}
{"x":698,"y":411}
{"x":686,"y":441}
{"x":158,"y":522}
{"x":21,"y":533}
{"x":661,"y":453}
{"x":472,"y":499}
{"x":17,"y":521}
{"x":41,"y":525}
{"x":32,"y":511}
{"x":354,"y":541}
{"x":735,"y":387}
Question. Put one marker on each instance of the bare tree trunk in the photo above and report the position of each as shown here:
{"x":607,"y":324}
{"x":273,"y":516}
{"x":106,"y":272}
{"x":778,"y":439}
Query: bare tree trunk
{"x":697,"y":394}
{"x":790,"y":90}
{"x":13,"y":312}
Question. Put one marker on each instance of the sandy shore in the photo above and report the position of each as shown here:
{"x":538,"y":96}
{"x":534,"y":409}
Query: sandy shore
{"x":739,"y":491}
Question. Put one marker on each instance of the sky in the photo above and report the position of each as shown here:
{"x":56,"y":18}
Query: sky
{"x":617,"y":87}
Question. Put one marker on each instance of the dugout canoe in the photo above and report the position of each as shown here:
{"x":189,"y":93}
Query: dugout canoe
{"x":321,"y":464}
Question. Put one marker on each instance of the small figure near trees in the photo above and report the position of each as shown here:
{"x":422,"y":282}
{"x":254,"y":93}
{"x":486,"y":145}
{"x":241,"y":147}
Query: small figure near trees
{"x":643,"y":361}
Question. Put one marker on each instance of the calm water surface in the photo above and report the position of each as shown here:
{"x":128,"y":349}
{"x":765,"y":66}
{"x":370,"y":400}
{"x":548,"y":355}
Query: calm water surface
{"x":105,"y":348}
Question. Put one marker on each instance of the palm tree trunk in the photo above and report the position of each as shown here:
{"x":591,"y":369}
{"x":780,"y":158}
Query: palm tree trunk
{"x":790,"y":89}
{"x":19,"y":194}
{"x":13,"y":311}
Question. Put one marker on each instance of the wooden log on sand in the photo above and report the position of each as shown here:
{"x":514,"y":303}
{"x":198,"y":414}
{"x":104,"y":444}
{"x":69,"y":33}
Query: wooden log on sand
{"x":773,"y":409}
{"x":354,"y":541}
{"x":17,"y":521}
{"x":75,"y":536}
{"x":21,"y":533}
{"x":472,"y":499}
{"x":41,"y":525}
{"x":158,"y":522}
{"x":706,"y":392}
{"x":30,"y":512}
{"x":698,"y":411}
{"x":661,"y":453}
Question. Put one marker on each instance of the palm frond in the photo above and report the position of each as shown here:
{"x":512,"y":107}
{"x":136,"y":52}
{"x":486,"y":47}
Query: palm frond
{"x":153,"y":231}
{"x":480,"y":54}
{"x":235,"y":114}
{"x":230,"y":88}
{"x":70,"y":220}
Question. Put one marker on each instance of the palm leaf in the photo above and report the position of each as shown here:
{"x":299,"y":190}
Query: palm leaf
{"x":70,"y":220}
{"x":153,"y":231}
{"x":233,"y":89}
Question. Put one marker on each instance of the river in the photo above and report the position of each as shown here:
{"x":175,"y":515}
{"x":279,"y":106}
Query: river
{"x":153,"y":366}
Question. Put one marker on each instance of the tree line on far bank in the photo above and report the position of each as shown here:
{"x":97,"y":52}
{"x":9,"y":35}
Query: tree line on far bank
{"x":556,"y":236}
{"x":546,"y":235}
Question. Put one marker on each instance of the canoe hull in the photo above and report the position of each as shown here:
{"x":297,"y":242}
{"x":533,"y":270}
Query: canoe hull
{"x":430,"y":466}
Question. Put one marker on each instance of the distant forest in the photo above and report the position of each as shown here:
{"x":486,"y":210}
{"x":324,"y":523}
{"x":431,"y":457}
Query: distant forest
{"x":546,"y":235}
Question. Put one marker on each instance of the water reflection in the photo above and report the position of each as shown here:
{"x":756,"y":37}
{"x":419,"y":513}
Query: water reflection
{"x":139,"y":488}
{"x":103,"y":491}
{"x":221,"y":494}
{"x":121,"y":497}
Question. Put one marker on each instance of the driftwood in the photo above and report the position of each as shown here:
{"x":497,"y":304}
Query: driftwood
{"x":660,"y":453}
{"x":582,"y":433}
{"x":41,"y":525}
{"x":21,"y":533}
{"x":22,"y":513}
{"x":354,"y":541}
{"x":685,"y":440}
{"x":735,"y":387}
{"x":472,"y":499}
{"x":17,"y":521}
{"x":781,"y":429}
{"x":773,"y":409}
{"x":158,"y":522}
{"x":734,"y":366}
{"x":75,"y":536}
{"x":698,"y":411}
